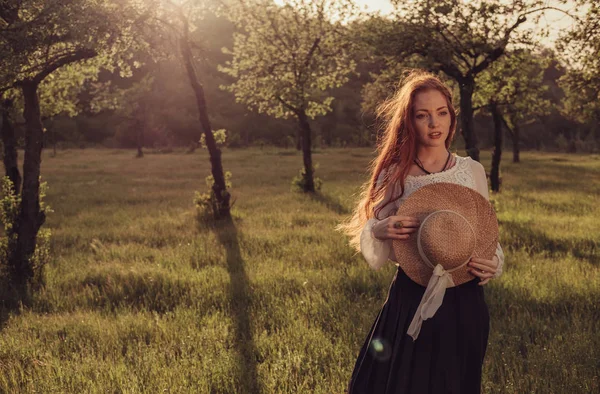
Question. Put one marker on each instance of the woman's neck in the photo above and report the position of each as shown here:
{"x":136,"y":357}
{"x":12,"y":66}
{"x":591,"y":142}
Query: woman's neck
{"x":430,"y":156}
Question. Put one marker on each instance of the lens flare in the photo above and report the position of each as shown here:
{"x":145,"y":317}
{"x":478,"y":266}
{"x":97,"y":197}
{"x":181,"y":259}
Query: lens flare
{"x":380,"y":349}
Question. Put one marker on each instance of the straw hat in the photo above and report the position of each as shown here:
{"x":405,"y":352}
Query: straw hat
{"x":457,"y":223}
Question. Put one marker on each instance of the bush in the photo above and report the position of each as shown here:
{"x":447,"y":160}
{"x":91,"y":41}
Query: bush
{"x":10,"y":205}
{"x":207,"y":204}
{"x":299,"y":181}
{"x":587,"y":144}
{"x":561,"y":143}
{"x":234,"y":141}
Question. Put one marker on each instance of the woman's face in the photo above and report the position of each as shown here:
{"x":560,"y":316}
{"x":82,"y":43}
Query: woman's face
{"x":431,"y":118}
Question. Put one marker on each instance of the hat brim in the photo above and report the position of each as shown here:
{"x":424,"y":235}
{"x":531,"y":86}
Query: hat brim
{"x":450,"y":196}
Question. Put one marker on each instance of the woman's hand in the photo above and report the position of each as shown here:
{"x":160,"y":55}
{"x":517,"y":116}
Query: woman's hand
{"x":395,"y":227}
{"x":485,"y":269}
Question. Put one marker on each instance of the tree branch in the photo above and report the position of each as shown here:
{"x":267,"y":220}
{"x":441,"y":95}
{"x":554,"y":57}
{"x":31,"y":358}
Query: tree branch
{"x":505,"y":123}
{"x":455,"y":50}
{"x":577,"y":19}
{"x":452,"y":70}
{"x":307,"y":59}
{"x":288,"y":106}
{"x":78,"y":55}
{"x":499,"y":50}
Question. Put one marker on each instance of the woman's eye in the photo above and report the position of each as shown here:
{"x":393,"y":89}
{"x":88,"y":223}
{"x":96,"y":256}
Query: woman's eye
{"x":444,"y":113}
{"x":420,"y":116}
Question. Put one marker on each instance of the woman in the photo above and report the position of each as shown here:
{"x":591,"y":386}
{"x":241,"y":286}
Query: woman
{"x":414,"y":151}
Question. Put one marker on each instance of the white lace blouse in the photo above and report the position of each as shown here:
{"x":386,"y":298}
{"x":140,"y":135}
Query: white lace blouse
{"x":466,"y":172}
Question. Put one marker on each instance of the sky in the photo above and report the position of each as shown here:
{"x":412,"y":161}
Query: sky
{"x":376,"y":5}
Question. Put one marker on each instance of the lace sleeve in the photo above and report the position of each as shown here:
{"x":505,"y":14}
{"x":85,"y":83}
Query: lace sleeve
{"x":482,"y":188}
{"x":376,"y":252}
{"x":500,"y":256}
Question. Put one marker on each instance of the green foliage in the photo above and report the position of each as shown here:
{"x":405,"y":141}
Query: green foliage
{"x":220,"y":137}
{"x":9,"y":211}
{"x":582,"y":95}
{"x":128,"y":102}
{"x":384,"y":83}
{"x":206,"y":203}
{"x":10,"y":206}
{"x":234,"y":141}
{"x":562,"y":143}
{"x":580,"y":47}
{"x":299,"y":182}
{"x":286,"y":58}
{"x":459,"y":38}
{"x":62,"y":44}
{"x":515,"y":83}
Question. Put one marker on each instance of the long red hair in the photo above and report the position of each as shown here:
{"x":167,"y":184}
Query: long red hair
{"x":397,"y":148}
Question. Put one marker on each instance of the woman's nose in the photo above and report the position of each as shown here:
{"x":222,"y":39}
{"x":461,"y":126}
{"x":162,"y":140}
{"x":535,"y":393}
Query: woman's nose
{"x":433,"y":121}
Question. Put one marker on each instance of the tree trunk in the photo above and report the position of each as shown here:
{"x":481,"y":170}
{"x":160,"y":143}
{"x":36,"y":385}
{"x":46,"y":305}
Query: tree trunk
{"x":467,"y":86}
{"x":516,"y":140}
{"x":11,"y":155}
{"x":30,"y":218}
{"x":219,"y":188}
{"x":514,"y":135}
{"x":309,"y":185}
{"x":140,"y":139}
{"x":54,"y":141}
{"x":497,"y":155}
{"x":299,"y":144}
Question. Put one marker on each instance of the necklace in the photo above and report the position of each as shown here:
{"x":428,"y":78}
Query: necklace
{"x":420,"y":165}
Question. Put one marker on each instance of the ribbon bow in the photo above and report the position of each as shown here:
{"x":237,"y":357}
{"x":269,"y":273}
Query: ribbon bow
{"x":431,"y":300}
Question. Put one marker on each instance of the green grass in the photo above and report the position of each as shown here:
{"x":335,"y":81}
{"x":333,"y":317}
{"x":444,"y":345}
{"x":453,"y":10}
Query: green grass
{"x":140,"y":297}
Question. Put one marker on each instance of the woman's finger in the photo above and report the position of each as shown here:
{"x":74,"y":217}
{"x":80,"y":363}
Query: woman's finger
{"x":488,"y":266}
{"x":404,"y":230}
{"x":482,"y":275}
{"x":398,"y":236}
{"x":405,"y":223}
{"x":483,"y":282}
{"x":491,"y":263}
{"x":403,"y":218}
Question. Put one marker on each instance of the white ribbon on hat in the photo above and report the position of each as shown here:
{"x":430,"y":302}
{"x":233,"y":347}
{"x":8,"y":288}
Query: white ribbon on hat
{"x":436,"y":288}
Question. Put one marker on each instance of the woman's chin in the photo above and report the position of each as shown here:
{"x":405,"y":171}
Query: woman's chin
{"x":433,"y":142}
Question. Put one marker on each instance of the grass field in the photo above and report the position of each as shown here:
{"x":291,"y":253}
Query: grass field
{"x":141,"y":298}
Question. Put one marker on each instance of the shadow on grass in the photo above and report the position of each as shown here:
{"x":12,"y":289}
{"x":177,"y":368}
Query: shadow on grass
{"x":13,"y":297}
{"x":575,"y":208}
{"x":524,"y":237}
{"x":539,"y":337}
{"x":4,"y":315}
{"x":549,"y":175}
{"x":147,"y":290}
{"x":330,"y":202}
{"x":240,"y":296}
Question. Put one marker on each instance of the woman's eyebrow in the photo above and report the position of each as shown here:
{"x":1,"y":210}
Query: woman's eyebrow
{"x":428,"y":111}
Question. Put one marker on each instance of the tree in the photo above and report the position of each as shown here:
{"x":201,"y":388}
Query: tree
{"x":460,"y":38}
{"x":40,"y":40}
{"x":132,"y":104}
{"x":581,"y":47}
{"x":287,"y":58}
{"x":512,"y":91}
{"x":9,"y":143}
{"x":179,"y":20}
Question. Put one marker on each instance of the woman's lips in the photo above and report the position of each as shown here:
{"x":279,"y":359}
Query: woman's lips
{"x":435,"y":135}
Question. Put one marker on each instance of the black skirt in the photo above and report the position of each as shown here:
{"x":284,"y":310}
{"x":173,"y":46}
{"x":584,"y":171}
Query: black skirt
{"x":447,"y":356}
